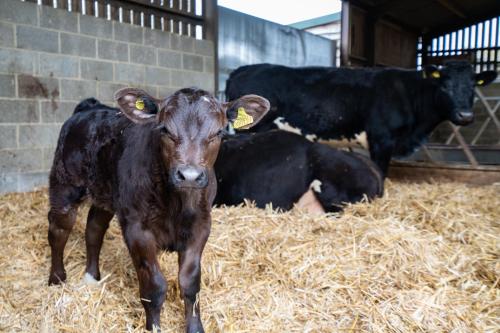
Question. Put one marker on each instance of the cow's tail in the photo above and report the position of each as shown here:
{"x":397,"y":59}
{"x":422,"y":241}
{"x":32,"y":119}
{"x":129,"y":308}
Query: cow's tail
{"x":86,"y":104}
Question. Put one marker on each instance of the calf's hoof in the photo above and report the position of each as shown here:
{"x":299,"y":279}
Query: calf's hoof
{"x":195,"y":327}
{"x":57,"y":278}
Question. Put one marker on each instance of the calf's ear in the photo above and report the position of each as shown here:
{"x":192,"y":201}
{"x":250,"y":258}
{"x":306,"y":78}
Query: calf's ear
{"x":485,"y":78}
{"x":246,"y":111}
{"x":431,"y":72}
{"x":137,"y":105}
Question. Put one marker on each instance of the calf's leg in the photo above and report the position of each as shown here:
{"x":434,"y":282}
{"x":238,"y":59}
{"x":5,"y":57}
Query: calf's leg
{"x":64,"y":201}
{"x":97,"y":224}
{"x":189,"y":278}
{"x":141,"y":244}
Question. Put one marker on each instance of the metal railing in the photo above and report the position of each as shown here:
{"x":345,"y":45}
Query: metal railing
{"x":453,"y":137}
{"x":478,"y":43}
{"x":183,"y":17}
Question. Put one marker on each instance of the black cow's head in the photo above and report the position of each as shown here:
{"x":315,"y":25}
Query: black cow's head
{"x":456,"y":81}
{"x":190,"y":124}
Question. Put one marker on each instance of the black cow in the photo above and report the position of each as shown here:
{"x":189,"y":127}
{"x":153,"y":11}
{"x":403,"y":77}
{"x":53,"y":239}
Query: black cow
{"x":396,"y":108}
{"x":279,"y":167}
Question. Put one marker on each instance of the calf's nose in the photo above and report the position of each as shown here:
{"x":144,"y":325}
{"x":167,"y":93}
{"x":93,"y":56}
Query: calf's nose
{"x":189,"y":176}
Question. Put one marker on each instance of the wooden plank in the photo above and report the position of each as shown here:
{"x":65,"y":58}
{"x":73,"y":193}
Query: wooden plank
{"x":89,"y":7}
{"x":62,"y":4}
{"x":425,"y":172}
{"x":75,"y":6}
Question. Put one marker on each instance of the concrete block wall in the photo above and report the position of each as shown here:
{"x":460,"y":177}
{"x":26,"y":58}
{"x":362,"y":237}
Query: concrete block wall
{"x":50,"y":59}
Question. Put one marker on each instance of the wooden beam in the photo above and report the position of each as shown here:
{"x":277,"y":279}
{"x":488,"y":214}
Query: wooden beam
{"x":448,"y":4}
{"x":425,"y":172}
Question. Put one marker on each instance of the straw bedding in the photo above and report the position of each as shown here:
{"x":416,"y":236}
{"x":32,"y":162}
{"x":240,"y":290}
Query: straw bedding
{"x":425,"y":258}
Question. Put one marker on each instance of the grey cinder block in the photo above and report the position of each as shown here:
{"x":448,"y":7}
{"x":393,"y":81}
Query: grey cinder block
{"x":7,"y":85}
{"x":77,"y":90}
{"x":8,"y":182}
{"x":128,"y":32}
{"x":143,"y":54}
{"x":8,"y":136}
{"x":186,"y":79}
{"x":37,"y":39}
{"x":107,"y":90}
{"x":58,"y":19}
{"x":30,"y":86}
{"x":112,"y":50}
{"x":14,"y":11}
{"x":20,"y":160}
{"x":78,"y":45}
{"x":16,"y":111}
{"x":17,"y":61}
{"x":58,"y":65}
{"x":157,"y":76}
{"x":204,"y":47}
{"x":48,"y":157}
{"x":208,"y":64}
{"x":97,"y":27}
{"x":56,"y":111}
{"x":32,"y":180}
{"x":156,"y":38}
{"x":192,"y":62}
{"x":6,"y":34}
{"x":38,"y":136}
{"x":169,"y":59}
{"x":96,"y":70}
{"x":129,"y":73}
{"x":182,"y":43}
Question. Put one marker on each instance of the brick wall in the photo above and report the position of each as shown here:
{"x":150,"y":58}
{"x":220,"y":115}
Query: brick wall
{"x":50,"y":59}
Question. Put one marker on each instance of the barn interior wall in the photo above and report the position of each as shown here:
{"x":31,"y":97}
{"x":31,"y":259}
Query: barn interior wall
{"x":244,"y":40}
{"x":50,"y":59}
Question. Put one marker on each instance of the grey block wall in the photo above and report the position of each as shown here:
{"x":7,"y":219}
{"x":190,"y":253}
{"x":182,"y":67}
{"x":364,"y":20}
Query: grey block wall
{"x":50,"y":59}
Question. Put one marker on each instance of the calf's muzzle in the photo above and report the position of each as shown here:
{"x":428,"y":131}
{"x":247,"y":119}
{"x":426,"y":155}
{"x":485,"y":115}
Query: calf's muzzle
{"x":190,"y":176}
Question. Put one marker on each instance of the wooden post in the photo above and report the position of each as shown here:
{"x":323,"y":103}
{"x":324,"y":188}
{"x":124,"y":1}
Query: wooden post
{"x":344,"y":34}
{"x":210,"y":32}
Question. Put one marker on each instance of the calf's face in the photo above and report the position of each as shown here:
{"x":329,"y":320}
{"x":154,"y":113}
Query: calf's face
{"x":190,"y":124}
{"x":456,"y":81}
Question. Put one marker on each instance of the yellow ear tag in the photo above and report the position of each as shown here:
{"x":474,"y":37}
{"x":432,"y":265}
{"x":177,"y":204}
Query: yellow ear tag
{"x":242,"y":119}
{"x":139,"y":104}
{"x":480,"y":82}
{"x":436,"y":75}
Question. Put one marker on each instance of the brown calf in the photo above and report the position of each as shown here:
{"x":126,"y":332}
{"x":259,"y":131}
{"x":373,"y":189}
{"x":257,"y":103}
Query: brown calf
{"x":153,"y":168}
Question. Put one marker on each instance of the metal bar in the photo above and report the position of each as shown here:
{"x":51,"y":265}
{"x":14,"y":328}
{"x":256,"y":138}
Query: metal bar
{"x":463,"y":144}
{"x":488,"y":109}
{"x":484,"y":125}
{"x":427,"y":153}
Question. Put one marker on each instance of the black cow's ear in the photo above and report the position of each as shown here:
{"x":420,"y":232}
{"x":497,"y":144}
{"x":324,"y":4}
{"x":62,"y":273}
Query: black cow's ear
{"x":246,"y":111}
{"x":137,"y":105}
{"x":431,"y":72}
{"x":485,"y":78}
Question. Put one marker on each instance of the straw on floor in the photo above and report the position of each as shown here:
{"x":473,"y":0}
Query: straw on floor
{"x":425,"y":258}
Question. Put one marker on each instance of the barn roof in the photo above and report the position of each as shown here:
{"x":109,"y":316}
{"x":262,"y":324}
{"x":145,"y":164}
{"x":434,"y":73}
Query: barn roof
{"x":432,"y":17}
{"x":314,"y":22}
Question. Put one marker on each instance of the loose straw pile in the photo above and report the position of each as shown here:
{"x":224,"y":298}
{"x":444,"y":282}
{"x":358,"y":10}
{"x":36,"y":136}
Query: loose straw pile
{"x":425,"y":258}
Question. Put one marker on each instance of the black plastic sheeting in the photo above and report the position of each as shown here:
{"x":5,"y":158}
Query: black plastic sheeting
{"x":245,"y":40}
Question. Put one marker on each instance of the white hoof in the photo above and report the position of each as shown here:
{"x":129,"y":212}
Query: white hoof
{"x":89,"y":279}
